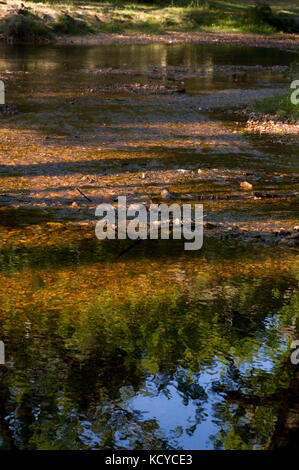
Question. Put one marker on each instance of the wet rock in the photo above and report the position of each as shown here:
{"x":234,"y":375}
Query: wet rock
{"x":246,"y":186}
{"x":209,"y":226}
{"x":283,"y":232}
{"x":165,"y":194}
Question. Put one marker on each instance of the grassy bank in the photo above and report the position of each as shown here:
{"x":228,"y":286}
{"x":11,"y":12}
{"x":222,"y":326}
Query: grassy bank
{"x":280,"y":106}
{"x":38,"y":19}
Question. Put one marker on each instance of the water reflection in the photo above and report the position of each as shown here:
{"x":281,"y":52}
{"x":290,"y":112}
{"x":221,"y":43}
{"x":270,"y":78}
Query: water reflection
{"x":45,"y":58}
{"x":159,"y":348}
{"x":197,"y":364}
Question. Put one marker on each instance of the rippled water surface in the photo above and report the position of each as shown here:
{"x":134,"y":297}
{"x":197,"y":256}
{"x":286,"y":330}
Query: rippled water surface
{"x":152,"y":347}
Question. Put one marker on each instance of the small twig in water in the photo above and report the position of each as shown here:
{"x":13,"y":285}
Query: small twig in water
{"x":84,"y":195}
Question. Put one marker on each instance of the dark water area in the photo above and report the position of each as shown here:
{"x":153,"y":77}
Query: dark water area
{"x":193,"y":55}
{"x":159,"y":348}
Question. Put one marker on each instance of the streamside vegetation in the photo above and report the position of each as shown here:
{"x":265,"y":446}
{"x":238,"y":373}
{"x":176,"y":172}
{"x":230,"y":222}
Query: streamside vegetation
{"x":41,"y":20}
{"x":284,"y":107}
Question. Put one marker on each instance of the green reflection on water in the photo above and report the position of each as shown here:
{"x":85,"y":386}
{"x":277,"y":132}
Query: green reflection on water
{"x":80,"y":348}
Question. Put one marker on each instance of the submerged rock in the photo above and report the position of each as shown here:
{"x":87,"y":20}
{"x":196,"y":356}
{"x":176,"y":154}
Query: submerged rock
{"x":245,"y":185}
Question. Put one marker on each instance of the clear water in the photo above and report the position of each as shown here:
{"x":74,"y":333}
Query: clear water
{"x":158,"y":348}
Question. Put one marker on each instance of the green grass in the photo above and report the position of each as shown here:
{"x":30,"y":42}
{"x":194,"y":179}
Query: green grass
{"x":81,"y":17}
{"x":279,"y":105}
{"x":65,"y":24}
{"x":25,"y":27}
